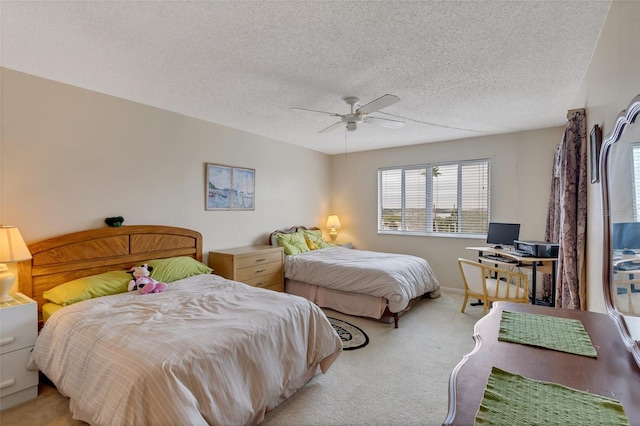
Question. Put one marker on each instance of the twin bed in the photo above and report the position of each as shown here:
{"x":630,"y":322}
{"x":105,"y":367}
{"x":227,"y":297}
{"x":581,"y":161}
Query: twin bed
{"x":356,"y":282}
{"x":205,"y":351}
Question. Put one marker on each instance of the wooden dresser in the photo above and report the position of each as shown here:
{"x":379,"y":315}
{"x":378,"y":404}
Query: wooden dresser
{"x":613,"y":373}
{"x":258,"y":266}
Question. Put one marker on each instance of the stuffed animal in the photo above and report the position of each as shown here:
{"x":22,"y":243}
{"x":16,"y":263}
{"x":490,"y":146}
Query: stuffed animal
{"x":114,"y":222}
{"x":143,"y":282}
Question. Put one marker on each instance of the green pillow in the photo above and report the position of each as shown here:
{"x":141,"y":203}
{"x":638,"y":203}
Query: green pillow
{"x":293,"y":243}
{"x":314,"y":232}
{"x":176,"y":268}
{"x":314,"y":239}
{"x":289,"y":248}
{"x":112,"y":282}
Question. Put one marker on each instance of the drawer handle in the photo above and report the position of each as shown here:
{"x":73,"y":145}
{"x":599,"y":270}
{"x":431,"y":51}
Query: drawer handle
{"x":260,"y":270}
{"x":261,"y":260}
{"x":7,"y":340}
{"x":7,"y":383}
{"x":261,"y":282}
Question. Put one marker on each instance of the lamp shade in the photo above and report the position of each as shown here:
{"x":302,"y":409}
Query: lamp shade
{"x":12,"y":246}
{"x":333,"y":221}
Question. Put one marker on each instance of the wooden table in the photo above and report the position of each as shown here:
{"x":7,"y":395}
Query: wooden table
{"x":613,"y":373}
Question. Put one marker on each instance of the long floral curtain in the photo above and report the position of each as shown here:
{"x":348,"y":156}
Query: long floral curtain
{"x":567,"y":218}
{"x":552,"y":232}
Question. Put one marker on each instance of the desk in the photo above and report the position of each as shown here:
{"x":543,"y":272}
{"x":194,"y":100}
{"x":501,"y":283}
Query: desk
{"x":613,"y":374}
{"x":626,"y":285}
{"x":545,"y":265}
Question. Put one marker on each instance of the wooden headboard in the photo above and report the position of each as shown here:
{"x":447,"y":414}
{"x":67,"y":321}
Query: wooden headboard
{"x":80,"y":254}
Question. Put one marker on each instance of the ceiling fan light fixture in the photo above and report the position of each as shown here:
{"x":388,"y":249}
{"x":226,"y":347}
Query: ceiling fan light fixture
{"x":360,"y":115}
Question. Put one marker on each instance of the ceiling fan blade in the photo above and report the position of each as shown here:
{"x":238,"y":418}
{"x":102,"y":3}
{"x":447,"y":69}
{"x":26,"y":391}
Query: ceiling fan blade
{"x":333,"y":114}
{"x":333,"y":126}
{"x":376,"y":104}
{"x":384,"y":122}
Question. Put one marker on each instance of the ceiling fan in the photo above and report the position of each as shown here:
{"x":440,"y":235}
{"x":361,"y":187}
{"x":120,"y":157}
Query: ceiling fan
{"x":361,"y":114}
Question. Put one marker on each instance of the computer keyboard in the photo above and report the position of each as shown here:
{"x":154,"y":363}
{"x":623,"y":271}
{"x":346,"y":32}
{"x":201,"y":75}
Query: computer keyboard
{"x":500,"y":258}
{"x":520,"y":253}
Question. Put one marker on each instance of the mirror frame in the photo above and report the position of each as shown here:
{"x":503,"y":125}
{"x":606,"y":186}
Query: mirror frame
{"x":627,"y":116}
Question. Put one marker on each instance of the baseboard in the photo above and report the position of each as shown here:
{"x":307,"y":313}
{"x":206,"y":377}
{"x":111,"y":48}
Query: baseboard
{"x":452,"y":290}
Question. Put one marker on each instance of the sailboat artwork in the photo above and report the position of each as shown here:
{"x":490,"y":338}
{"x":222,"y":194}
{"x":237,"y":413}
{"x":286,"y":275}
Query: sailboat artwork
{"x":243,"y":188}
{"x":229,"y":188}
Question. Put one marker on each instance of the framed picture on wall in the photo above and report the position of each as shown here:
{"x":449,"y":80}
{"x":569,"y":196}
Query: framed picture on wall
{"x":596,"y":143}
{"x":229,"y":188}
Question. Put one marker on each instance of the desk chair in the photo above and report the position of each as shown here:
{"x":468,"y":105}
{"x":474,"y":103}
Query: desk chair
{"x":489,"y":283}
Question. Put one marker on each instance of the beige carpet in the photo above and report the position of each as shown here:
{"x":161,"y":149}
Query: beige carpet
{"x":399,"y":378}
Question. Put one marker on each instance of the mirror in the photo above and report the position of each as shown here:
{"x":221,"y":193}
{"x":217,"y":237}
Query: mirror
{"x":620,"y":185}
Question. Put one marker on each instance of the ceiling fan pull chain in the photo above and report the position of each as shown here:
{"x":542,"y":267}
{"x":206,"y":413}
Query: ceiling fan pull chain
{"x":345,"y":143}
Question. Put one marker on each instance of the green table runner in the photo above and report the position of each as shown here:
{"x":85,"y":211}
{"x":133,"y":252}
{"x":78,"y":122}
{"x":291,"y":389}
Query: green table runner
{"x":560,"y":334}
{"x":511,"y":399}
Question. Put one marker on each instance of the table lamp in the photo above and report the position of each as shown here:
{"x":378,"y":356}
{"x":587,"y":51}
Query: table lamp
{"x":332,"y":223}
{"x":12,"y":249}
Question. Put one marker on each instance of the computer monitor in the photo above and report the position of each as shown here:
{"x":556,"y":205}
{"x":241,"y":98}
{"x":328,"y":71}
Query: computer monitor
{"x":503,"y":234}
{"x":626,"y":235}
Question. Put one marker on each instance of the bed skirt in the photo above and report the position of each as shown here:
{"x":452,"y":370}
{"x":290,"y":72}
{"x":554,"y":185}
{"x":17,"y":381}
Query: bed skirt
{"x":356,"y":304}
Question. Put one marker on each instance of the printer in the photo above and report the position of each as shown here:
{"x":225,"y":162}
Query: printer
{"x":536,"y":248}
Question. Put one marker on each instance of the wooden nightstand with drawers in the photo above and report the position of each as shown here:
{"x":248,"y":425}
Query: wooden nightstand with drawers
{"x":258,"y":266}
{"x":18,"y":333}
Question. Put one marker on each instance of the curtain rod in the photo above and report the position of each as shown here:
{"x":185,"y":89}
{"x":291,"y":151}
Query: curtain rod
{"x":575,"y":110}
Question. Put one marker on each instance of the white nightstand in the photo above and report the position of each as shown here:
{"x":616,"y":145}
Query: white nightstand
{"x":18,"y":333}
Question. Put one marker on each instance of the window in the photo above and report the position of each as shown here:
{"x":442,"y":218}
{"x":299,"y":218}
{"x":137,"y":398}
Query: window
{"x":442,"y":198}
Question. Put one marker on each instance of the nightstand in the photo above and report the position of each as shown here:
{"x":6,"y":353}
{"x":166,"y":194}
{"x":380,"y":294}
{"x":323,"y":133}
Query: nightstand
{"x":18,"y":333}
{"x":344,"y":244}
{"x":258,"y":266}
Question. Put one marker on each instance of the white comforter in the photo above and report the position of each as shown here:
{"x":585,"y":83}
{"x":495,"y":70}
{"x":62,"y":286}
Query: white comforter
{"x":205,"y":351}
{"x":396,"y":277}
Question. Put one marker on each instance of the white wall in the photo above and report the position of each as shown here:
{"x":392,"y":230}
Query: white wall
{"x":72,"y":157}
{"x":611,"y":81}
{"x":521,"y":165}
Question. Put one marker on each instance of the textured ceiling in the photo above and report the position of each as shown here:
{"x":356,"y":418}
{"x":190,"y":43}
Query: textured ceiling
{"x":461,"y":68}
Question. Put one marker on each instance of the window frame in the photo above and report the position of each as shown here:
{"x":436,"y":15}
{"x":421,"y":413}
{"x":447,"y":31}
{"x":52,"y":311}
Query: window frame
{"x":429,"y":197}
{"x":635,"y":152}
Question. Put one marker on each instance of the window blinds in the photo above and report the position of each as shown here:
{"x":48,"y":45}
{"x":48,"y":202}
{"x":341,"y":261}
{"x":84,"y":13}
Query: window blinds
{"x":435,"y":198}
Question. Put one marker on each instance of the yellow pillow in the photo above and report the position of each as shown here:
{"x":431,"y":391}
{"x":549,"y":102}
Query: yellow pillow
{"x":314,"y":239}
{"x":49,"y":309}
{"x":176,"y":268}
{"x":312,"y":242}
{"x":112,"y":282}
{"x":293,"y":243}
